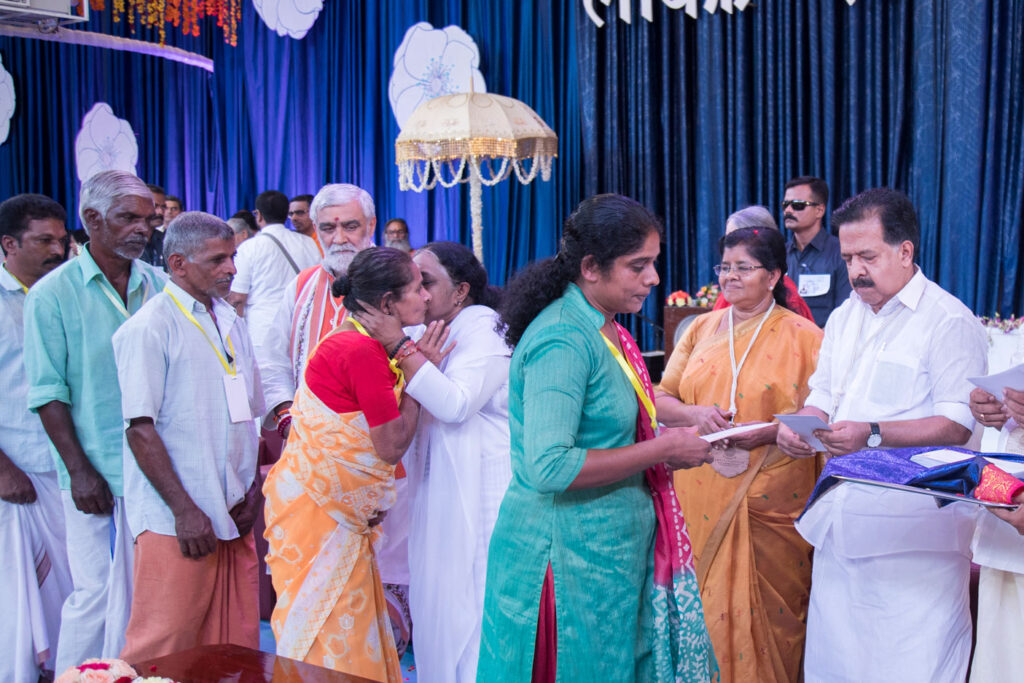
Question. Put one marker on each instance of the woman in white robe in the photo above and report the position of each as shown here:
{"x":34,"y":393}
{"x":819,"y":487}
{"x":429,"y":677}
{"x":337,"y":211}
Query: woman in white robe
{"x":459,"y":466}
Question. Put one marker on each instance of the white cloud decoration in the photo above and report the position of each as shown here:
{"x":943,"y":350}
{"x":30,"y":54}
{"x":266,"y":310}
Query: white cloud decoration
{"x":7,"y":101}
{"x":432,"y":62}
{"x":289,"y":17}
{"x":104,"y":143}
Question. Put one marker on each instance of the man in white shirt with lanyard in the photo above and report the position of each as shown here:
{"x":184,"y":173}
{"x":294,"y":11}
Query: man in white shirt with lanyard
{"x":190,"y":388}
{"x":889,"y":589}
{"x":267,"y":262}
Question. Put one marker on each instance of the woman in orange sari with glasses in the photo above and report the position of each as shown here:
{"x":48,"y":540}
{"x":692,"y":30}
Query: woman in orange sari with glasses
{"x":350,"y":425}
{"x":737,"y":365}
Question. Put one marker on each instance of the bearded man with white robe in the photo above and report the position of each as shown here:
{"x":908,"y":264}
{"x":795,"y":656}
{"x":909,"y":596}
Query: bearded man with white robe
{"x":345,"y":220}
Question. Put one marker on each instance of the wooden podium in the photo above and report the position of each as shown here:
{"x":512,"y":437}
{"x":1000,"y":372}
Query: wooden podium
{"x":673,"y":316}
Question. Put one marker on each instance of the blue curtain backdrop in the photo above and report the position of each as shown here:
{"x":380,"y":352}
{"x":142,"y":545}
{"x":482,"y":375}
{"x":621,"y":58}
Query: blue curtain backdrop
{"x":695,"y":118}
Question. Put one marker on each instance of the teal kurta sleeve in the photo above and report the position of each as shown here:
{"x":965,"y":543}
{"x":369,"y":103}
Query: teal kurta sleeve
{"x":553,"y":392}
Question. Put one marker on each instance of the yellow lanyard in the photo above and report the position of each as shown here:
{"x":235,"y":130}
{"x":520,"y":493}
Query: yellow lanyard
{"x":21,"y":284}
{"x":641,"y":393}
{"x":393,"y":364}
{"x":108,"y":289}
{"x":230,"y":369}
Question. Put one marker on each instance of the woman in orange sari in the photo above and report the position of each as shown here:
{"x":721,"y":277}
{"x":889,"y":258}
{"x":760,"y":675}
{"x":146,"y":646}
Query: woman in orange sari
{"x":350,"y":426}
{"x":743,"y":364}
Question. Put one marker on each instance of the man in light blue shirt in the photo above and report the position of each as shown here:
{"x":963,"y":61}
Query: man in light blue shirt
{"x":34,"y":576}
{"x":70,"y":317}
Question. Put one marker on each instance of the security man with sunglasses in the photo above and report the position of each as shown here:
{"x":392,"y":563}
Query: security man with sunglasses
{"x":812,"y":253}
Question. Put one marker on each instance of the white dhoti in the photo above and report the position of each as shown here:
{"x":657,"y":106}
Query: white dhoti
{"x":889,"y":588}
{"x":393,"y":565}
{"x":999,"y":549}
{"x":100,"y":555}
{"x":34,"y":581}
{"x":393,"y":556}
{"x":1000,"y":625}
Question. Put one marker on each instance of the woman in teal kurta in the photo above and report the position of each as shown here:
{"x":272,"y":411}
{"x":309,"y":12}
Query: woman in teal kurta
{"x":575,"y":538}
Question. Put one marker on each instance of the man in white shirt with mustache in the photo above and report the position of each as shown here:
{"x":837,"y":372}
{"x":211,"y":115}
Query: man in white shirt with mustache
{"x":889,"y":587}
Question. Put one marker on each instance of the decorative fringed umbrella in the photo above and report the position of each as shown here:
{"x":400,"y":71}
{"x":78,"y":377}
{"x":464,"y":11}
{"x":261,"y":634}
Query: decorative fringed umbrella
{"x":479,"y":138}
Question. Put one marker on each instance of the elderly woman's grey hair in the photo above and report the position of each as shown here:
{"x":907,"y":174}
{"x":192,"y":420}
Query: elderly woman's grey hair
{"x":99,"y":192}
{"x":189,"y":231}
{"x":337,"y":194}
{"x":755,"y":216}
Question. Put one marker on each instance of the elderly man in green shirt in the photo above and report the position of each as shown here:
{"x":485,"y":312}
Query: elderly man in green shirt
{"x":70,"y":317}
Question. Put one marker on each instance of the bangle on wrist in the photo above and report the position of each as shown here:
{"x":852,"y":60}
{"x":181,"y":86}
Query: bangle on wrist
{"x":283,"y":424}
{"x":405,"y":350}
{"x":398,"y":346}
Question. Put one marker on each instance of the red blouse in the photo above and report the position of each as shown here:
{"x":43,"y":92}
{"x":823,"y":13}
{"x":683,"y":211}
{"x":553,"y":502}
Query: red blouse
{"x":349,"y":372}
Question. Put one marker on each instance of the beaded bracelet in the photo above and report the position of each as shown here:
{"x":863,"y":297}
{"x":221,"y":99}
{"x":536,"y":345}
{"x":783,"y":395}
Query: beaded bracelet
{"x":405,"y":350}
{"x":399,"y":345}
{"x":284,"y":423}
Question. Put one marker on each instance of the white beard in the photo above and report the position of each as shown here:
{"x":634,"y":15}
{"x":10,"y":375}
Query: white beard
{"x":337,"y":261}
{"x":401,"y":245}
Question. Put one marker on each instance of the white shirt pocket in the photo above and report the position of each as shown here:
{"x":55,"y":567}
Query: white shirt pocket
{"x":893,"y":380}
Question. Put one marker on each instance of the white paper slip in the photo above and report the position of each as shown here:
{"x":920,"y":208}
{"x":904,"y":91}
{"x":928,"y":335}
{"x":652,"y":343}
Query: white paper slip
{"x":938,"y":495}
{"x":805,"y":425}
{"x":995,"y":384}
{"x":727,"y":433}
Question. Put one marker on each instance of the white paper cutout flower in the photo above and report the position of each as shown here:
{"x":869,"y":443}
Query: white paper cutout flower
{"x":289,"y":17}
{"x":105,"y":143}
{"x":432,"y":62}
{"x":7,"y":101}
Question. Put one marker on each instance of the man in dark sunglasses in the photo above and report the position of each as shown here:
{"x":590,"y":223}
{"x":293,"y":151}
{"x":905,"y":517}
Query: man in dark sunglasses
{"x":812,"y":253}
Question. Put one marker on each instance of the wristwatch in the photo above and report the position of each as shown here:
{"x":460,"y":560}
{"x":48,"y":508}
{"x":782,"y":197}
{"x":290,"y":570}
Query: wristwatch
{"x":875,"y":439}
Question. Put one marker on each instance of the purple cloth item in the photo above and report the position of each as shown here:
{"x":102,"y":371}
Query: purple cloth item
{"x":893,"y":465}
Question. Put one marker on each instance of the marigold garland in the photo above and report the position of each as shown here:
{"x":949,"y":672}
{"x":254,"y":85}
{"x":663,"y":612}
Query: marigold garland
{"x":185,"y":14}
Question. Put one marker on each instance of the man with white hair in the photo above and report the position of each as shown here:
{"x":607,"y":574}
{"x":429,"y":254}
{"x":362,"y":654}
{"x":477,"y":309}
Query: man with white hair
{"x":190,"y":389}
{"x":345,"y":218}
{"x":70,"y":317}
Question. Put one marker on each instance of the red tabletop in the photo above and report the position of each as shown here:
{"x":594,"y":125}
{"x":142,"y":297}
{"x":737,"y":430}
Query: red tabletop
{"x":215,"y":663}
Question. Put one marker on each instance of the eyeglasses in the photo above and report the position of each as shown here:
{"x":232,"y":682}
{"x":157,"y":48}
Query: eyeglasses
{"x":742,"y":269}
{"x":798,"y":204}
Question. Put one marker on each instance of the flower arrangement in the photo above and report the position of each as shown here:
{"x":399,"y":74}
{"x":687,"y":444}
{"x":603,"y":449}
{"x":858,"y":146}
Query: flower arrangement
{"x":107,"y":671}
{"x":678,"y":298}
{"x":99,"y":671}
{"x":1005,"y":325}
{"x":705,"y":297}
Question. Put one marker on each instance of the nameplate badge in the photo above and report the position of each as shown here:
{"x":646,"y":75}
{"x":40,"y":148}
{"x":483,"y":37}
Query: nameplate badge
{"x":238,"y":399}
{"x":814,"y":285}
